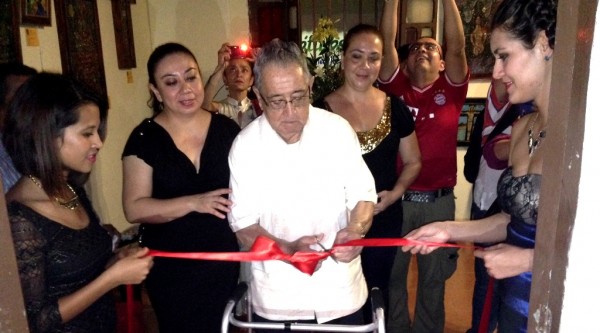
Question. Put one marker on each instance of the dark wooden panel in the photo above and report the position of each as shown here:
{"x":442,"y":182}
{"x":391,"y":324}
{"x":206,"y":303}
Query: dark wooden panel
{"x":271,"y":19}
{"x":10,"y":39}
{"x":80,"y":43}
{"x":121,"y":10}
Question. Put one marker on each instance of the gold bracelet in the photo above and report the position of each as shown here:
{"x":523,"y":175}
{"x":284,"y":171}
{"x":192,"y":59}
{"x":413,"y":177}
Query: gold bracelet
{"x":361,"y":229}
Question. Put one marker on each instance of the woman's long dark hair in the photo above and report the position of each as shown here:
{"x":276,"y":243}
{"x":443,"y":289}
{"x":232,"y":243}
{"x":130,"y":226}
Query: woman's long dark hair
{"x":525,"y":19}
{"x":40,"y":111}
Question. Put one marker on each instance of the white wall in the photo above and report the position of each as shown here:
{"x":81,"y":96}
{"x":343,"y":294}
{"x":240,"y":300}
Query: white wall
{"x":46,"y":56}
{"x":202,"y":26}
{"x":127,"y":109}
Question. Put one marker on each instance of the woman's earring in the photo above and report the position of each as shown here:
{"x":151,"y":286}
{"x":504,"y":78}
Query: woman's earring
{"x":547,"y":57}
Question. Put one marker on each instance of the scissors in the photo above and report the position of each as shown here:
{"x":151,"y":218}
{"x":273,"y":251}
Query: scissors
{"x":327,"y":250}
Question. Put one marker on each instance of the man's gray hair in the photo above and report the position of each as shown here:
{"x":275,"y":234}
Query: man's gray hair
{"x":280,"y":53}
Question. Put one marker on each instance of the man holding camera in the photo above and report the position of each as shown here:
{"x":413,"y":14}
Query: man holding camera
{"x":235,"y":69}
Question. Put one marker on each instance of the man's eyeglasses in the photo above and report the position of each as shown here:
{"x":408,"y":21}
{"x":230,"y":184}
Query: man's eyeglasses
{"x":296,"y":102}
{"x":431,"y":47}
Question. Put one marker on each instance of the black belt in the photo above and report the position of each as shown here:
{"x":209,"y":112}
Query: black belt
{"x":426,"y":196}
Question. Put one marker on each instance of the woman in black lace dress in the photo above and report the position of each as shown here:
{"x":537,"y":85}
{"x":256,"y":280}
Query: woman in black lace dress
{"x":386,"y":132}
{"x":176,"y":180}
{"x":54,"y":130}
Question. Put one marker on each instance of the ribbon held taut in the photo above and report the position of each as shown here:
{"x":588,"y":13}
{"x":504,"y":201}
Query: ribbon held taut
{"x":265,"y":248}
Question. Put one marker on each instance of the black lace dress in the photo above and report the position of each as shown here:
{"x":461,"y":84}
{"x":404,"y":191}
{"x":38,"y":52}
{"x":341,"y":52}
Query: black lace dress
{"x":55,"y":261}
{"x":188,"y":295}
{"x":519,"y":197}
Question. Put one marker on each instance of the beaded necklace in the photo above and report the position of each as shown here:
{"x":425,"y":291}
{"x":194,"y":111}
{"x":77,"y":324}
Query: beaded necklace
{"x":71,"y":204}
{"x":534,"y":142}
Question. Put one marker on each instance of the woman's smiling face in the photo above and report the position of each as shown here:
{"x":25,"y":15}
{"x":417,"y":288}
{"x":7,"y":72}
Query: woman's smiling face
{"x":521,"y":69}
{"x":362,"y":60}
{"x":80,"y":143}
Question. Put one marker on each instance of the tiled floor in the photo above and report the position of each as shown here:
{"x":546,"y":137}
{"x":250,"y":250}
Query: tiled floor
{"x":459,"y":290}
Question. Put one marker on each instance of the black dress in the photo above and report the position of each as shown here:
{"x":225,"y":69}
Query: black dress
{"x":380,"y":151}
{"x":187,"y":295}
{"x":55,"y":261}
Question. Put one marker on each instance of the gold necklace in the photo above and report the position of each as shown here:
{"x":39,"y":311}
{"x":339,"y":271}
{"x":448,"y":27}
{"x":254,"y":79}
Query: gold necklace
{"x":71,"y":204}
{"x":534,"y":143}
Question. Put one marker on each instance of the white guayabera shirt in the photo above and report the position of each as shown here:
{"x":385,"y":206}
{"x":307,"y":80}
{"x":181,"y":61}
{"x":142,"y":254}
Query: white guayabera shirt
{"x":295,"y":190}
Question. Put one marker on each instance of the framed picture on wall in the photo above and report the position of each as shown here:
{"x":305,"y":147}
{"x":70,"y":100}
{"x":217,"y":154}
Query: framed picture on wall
{"x":472,"y":108}
{"x":36,"y":12}
{"x":121,"y":10}
{"x":476,"y":16}
{"x":79,"y":40}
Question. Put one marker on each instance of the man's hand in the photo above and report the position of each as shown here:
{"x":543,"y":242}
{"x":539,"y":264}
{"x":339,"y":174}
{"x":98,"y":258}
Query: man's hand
{"x":346,"y":253}
{"x":302,"y":244}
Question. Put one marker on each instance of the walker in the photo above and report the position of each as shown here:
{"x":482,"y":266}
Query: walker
{"x":378,"y":324}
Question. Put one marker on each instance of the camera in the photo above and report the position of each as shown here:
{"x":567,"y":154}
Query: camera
{"x":239,"y":52}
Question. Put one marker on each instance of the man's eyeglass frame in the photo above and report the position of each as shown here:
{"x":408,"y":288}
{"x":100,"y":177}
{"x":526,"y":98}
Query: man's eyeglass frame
{"x":429,"y":46}
{"x":295,"y":102}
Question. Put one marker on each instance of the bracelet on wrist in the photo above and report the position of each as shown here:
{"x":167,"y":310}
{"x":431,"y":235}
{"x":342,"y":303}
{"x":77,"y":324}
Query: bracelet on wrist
{"x":359,"y":228}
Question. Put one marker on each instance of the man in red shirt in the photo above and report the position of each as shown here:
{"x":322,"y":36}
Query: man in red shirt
{"x":434,"y":87}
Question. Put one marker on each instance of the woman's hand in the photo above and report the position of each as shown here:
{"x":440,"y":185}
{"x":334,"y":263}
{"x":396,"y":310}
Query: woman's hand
{"x":132,"y":268}
{"x":213,"y":202}
{"x":503,"y":260}
{"x":433,"y":232}
{"x":123,"y":252}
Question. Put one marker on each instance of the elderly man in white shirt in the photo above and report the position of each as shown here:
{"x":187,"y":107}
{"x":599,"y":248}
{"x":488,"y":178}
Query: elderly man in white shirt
{"x":298,"y":177}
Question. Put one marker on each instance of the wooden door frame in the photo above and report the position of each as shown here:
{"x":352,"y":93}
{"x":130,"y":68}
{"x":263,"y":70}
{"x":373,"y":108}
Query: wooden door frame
{"x":12,"y":317}
{"x":562,"y":161}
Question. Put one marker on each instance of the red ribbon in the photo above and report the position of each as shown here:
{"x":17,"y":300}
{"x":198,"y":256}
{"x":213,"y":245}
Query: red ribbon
{"x":484,"y":322}
{"x":265,"y":248}
{"x":130,"y":309}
